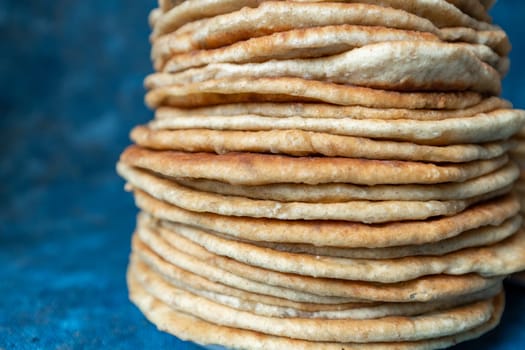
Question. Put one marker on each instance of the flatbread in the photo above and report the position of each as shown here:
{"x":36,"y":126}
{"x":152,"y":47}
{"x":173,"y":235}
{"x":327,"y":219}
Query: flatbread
{"x":329,"y":193}
{"x":420,"y":66}
{"x":278,"y":16}
{"x":259,"y":169}
{"x":502,"y":258}
{"x":363,"y":312}
{"x":194,"y":258}
{"x":223,"y":91}
{"x":188,"y":327}
{"x":303,"y":143}
{"x":355,"y":210}
{"x":271,"y":306}
{"x":440,"y":323}
{"x":337,"y":233}
{"x":313,"y":110}
{"x":475,"y":238}
{"x":301,"y":43}
{"x":315,"y":42}
{"x":484,"y":127}
{"x":441,"y":13}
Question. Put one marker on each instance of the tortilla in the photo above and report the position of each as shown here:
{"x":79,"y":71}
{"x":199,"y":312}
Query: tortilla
{"x":315,"y":110}
{"x":188,"y":327}
{"x":191,"y":257}
{"x":436,"y":324}
{"x":259,"y":169}
{"x":304,"y":143}
{"x":330,"y":193}
{"x":354,"y":210}
{"x":278,"y":16}
{"x":338,"y":233}
{"x":223,"y":91}
{"x":502,"y":258}
{"x":420,"y":66}
{"x":485,"y":127}
{"x":303,"y":43}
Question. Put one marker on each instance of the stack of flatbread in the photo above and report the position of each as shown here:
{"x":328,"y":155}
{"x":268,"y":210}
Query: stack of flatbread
{"x":325,"y":174}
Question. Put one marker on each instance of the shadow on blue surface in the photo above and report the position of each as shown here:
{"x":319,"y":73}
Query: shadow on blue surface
{"x":71,"y":89}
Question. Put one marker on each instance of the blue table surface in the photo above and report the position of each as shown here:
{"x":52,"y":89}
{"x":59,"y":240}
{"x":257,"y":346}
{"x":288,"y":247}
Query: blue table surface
{"x":71,"y":88}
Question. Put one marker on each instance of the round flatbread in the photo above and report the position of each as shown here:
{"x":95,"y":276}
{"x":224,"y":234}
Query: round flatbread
{"x":316,"y":110}
{"x":484,"y":127}
{"x":278,"y":16}
{"x":357,"y":312}
{"x":502,"y":258}
{"x":436,"y":324}
{"x":188,"y":327}
{"x":330,"y":193}
{"x":420,"y":66}
{"x":285,"y":89}
{"x":325,"y":292}
{"x":338,"y":233}
{"x":304,"y":43}
{"x":303,"y":143}
{"x":354,"y":210}
{"x":259,"y":169}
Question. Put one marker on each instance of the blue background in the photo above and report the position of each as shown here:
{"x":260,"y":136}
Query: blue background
{"x":71,"y":88}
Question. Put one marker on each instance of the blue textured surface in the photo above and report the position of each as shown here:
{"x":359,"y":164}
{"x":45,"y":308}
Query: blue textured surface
{"x":71,"y":88}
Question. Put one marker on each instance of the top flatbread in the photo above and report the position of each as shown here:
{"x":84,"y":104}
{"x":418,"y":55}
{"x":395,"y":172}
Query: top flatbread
{"x":279,"y":16}
{"x":442,"y":13}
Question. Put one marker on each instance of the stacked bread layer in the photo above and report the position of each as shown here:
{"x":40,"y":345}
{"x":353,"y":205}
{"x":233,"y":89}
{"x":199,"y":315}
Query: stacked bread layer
{"x":325,"y":174}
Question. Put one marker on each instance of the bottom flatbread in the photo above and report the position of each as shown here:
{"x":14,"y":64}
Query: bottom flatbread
{"x":188,"y":327}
